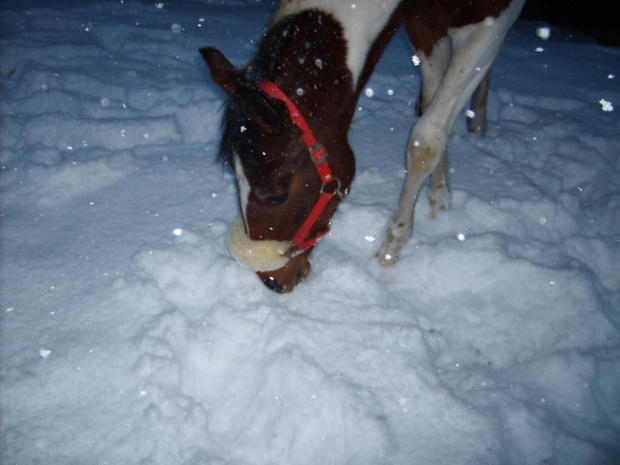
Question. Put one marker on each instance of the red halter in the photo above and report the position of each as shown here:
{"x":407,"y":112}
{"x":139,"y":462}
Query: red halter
{"x":301,"y":241}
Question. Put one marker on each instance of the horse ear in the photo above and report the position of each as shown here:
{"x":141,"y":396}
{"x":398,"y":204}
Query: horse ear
{"x":224,"y":74}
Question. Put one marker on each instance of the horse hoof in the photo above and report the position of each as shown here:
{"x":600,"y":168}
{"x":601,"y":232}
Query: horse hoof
{"x":434,"y":211}
{"x":438,"y":200}
{"x":387,"y":259}
{"x":395,"y":237}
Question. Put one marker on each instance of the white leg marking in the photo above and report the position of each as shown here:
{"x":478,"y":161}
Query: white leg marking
{"x":439,"y":196}
{"x":433,"y":68}
{"x":244,"y":190}
{"x":474,"y":49}
{"x":478,"y":122}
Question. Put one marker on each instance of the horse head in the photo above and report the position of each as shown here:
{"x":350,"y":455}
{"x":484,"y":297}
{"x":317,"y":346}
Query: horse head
{"x":288,"y":191}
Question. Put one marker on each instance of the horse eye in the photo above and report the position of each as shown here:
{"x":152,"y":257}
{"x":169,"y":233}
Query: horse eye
{"x":275,"y":200}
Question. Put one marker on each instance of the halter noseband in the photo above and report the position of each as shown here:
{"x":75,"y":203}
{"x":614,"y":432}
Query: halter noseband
{"x":301,"y":240}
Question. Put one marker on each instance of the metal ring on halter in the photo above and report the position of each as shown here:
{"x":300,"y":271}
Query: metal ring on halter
{"x":336,"y":191}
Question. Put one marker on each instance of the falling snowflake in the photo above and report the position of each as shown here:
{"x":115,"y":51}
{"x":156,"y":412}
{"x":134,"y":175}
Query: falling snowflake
{"x":539,"y":49}
{"x":606,"y":105}
{"x":45,"y":353}
{"x":159,"y":5}
{"x":416,"y":60}
{"x":543,"y":32}
{"x":369,"y":92}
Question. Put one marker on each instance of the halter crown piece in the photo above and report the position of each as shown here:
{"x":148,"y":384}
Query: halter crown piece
{"x":264,"y":255}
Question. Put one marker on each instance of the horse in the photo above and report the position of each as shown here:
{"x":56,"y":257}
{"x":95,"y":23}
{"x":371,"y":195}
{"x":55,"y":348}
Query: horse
{"x":289,"y":110}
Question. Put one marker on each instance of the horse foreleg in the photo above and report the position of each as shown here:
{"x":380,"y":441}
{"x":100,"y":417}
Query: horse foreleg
{"x":423,"y":157}
{"x":433,"y":64}
{"x":474,"y":49}
{"x":426,"y":151}
{"x":477,"y":123}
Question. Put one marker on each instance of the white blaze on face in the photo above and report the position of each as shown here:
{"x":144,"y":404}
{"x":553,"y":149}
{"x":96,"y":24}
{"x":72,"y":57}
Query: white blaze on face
{"x":244,"y":188}
{"x":262,"y":255}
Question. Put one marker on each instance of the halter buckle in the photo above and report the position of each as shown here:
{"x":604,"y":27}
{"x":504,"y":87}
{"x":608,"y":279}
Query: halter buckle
{"x":318,"y":153}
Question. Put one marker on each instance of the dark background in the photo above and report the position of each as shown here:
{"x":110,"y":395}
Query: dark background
{"x":592,"y":18}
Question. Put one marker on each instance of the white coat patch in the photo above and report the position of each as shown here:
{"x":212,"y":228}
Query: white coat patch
{"x":362,"y":21}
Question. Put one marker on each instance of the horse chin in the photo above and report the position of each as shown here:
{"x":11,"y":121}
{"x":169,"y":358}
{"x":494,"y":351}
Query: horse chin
{"x":286,"y":278}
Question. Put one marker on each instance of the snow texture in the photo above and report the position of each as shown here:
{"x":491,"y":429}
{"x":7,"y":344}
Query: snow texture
{"x":130,"y":335}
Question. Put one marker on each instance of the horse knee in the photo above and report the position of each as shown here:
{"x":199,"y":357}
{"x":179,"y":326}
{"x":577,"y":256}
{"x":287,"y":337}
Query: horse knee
{"x":423,"y":158}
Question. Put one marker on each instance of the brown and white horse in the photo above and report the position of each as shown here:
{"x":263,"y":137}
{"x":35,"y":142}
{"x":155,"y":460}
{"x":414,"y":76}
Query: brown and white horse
{"x":290,"y":108}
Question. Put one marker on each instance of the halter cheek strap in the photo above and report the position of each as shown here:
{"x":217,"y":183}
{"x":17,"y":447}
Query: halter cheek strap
{"x":330,"y":184}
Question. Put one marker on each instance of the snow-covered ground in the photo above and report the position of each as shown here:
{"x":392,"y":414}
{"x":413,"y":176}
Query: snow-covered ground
{"x":130,"y":336}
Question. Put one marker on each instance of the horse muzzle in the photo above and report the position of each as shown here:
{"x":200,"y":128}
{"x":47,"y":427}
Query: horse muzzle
{"x":286,"y":278}
{"x":275,"y":267}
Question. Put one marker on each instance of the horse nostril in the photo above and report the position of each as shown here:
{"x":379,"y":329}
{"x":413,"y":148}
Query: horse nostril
{"x":272,"y":284}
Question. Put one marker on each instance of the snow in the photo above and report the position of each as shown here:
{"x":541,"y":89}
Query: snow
{"x":129,"y":334}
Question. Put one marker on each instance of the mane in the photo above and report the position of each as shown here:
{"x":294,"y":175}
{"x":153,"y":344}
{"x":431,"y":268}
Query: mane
{"x":235,"y":123}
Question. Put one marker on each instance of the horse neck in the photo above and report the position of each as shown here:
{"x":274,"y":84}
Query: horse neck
{"x":305,"y":56}
{"x":363,"y":24}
